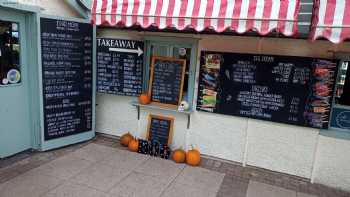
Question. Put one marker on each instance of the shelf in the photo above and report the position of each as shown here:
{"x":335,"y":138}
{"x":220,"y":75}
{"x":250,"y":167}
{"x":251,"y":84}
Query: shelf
{"x":157,"y":107}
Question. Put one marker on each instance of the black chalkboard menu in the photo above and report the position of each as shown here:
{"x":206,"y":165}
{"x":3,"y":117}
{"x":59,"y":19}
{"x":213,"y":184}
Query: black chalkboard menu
{"x":66,"y":53}
{"x":285,"y":89}
{"x":119,"y":66}
{"x":160,"y":129}
{"x":166,"y":82}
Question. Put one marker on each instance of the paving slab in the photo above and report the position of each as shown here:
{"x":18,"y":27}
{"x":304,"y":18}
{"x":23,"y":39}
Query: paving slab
{"x":305,"y":195}
{"x":94,"y":152}
{"x":75,"y":190}
{"x":100,"y":176}
{"x":31,"y":184}
{"x":165,"y":170}
{"x":184,"y":190}
{"x":139,"y":185}
{"x":200,"y":178}
{"x":125,"y":159}
{"x":64,"y":167}
{"x":257,"y":189}
{"x":233,"y":186}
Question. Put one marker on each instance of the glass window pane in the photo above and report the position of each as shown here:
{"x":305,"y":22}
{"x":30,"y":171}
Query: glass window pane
{"x":174,"y":51}
{"x":342,"y":93}
{"x":184,"y":53}
{"x":9,"y":53}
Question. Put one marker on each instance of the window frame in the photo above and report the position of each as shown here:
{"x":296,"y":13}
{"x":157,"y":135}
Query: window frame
{"x":336,"y":132}
{"x":191,"y":43}
{"x":20,"y":59}
{"x":341,"y":58}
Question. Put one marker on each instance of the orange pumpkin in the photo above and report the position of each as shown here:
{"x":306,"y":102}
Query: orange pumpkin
{"x":134,"y":145}
{"x":144,"y":99}
{"x":179,"y":156}
{"x":125,"y":139}
{"x":193,"y":157}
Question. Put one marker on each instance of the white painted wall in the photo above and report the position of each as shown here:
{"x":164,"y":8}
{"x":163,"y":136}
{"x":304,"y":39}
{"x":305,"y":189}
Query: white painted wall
{"x":279,"y":147}
{"x":52,"y":7}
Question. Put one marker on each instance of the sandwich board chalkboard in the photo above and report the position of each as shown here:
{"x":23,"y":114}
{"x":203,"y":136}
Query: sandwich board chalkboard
{"x":119,"y":66}
{"x":284,"y":89}
{"x":166,"y":81}
{"x":160,"y":129}
{"x":66,"y":54}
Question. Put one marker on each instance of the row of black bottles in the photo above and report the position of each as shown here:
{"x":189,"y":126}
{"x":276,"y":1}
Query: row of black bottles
{"x":154,"y":148}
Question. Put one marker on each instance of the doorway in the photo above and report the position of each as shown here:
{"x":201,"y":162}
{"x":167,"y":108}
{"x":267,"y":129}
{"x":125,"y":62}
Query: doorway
{"x":15,"y":121}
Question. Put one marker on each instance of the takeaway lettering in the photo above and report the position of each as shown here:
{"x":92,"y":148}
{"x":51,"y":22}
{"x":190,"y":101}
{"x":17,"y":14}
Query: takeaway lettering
{"x":126,"y":44}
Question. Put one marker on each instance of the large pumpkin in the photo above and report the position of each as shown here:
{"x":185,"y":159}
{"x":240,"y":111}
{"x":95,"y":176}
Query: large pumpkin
{"x":144,"y":99}
{"x":193,"y":157}
{"x":179,"y":156}
{"x":125,"y":139}
{"x":134,"y":145}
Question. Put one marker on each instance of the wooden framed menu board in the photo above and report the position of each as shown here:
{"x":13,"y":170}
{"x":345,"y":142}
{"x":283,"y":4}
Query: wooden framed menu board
{"x":285,"y":89}
{"x":166,"y":81}
{"x":160,"y":129}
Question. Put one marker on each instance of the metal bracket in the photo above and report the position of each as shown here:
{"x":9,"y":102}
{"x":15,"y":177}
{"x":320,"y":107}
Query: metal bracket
{"x":138,"y":112}
{"x":188,"y":121}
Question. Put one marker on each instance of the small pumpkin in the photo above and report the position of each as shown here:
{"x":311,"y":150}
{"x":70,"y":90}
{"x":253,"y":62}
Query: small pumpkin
{"x":179,"y":156}
{"x":134,"y":145}
{"x":125,"y":139}
{"x":144,"y":99}
{"x":193,"y":157}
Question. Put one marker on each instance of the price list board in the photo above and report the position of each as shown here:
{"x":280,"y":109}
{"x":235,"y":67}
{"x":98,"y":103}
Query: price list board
{"x":160,"y":129}
{"x":119,"y":66}
{"x":285,"y":89}
{"x":166,"y":82}
{"x":66,"y":53}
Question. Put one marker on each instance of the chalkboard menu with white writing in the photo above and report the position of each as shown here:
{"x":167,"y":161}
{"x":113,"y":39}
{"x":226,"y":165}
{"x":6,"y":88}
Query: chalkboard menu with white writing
{"x":66,"y":53}
{"x":167,"y":78}
{"x":160,"y":129}
{"x":119,"y":66}
{"x":285,"y":89}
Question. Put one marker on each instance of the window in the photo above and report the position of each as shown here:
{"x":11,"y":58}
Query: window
{"x":175,"y":48}
{"x":9,"y":53}
{"x":342,"y":91}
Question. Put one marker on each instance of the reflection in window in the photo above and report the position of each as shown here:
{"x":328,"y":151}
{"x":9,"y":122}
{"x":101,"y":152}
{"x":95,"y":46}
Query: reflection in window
{"x":184,"y":53}
{"x":9,"y":53}
{"x":342,"y":94}
{"x":174,"y":52}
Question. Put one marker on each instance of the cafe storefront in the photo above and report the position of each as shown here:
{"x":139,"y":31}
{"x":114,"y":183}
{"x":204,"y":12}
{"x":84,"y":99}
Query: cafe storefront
{"x":260,"y":83}
{"x":259,"y":87}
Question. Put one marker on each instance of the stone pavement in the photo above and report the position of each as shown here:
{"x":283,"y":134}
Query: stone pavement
{"x":102,"y":168}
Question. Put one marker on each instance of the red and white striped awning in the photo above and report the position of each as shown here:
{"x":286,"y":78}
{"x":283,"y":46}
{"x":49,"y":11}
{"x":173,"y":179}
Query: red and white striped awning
{"x":241,"y":16}
{"x":331,"y":20}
